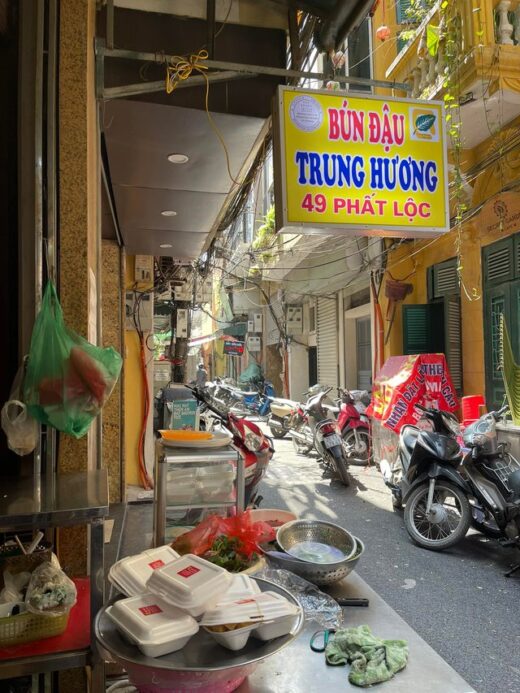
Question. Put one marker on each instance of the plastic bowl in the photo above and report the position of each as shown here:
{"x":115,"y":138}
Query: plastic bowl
{"x":274,"y":517}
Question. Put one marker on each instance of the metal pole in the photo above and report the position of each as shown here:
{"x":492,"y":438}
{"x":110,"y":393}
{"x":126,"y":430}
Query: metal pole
{"x":248,"y":69}
{"x":52,"y":230}
{"x":151,"y":87}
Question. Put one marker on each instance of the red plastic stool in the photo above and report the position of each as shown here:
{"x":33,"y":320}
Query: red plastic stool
{"x":471,"y":407}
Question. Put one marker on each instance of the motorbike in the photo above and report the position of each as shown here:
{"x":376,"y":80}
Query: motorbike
{"x":448,"y":488}
{"x":355,"y":425}
{"x":319,"y":430}
{"x":282,"y":413}
{"x":257,"y":402}
{"x":255,"y":447}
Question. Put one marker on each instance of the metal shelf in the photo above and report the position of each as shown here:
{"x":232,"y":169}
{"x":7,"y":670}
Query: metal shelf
{"x":166,"y":456}
{"x":58,"y":501}
{"x":62,"y":500}
{"x":204,"y":506}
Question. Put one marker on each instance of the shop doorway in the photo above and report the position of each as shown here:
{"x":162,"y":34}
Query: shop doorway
{"x":364,"y":353}
{"x":313,"y":366}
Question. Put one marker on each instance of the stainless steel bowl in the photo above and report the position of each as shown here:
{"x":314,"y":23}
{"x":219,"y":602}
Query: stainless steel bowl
{"x":320,"y":573}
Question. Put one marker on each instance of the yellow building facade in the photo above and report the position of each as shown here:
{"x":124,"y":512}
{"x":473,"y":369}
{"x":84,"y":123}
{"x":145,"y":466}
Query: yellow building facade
{"x":476,"y":263}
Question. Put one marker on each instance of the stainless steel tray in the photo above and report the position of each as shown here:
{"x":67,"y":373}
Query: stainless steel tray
{"x":201,"y":653}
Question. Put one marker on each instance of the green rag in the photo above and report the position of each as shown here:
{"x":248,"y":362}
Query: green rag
{"x":372,"y":660}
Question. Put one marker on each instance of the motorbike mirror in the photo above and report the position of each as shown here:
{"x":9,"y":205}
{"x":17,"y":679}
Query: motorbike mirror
{"x":498,"y":414}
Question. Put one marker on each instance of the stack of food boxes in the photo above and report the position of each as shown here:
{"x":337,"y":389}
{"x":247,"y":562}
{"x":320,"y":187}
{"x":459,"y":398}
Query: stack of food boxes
{"x":170,"y":597}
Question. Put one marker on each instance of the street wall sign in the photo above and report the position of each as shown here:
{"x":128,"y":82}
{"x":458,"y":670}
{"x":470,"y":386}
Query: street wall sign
{"x":233,"y":348}
{"x":362,"y":165}
{"x":500,"y":215}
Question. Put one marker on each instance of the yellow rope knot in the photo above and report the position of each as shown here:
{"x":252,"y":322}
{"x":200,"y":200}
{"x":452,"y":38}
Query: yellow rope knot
{"x":180,"y":68}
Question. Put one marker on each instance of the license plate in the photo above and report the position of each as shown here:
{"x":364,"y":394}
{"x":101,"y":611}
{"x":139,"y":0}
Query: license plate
{"x":332,"y":441}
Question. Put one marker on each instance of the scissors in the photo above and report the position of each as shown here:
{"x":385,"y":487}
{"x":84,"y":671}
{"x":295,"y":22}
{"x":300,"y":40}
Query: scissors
{"x":323,"y":637}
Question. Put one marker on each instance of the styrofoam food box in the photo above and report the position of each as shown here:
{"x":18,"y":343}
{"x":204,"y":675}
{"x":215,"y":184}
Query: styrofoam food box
{"x":233,"y":639}
{"x":131,"y":573}
{"x":190,"y":583}
{"x":241,"y":586}
{"x":156,"y":627}
{"x":270,"y":613}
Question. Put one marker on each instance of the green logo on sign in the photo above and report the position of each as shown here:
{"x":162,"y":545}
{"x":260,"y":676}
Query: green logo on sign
{"x":424,"y":123}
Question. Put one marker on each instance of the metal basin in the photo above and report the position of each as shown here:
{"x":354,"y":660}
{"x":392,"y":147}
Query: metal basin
{"x":299,"y":531}
{"x":321,"y":573}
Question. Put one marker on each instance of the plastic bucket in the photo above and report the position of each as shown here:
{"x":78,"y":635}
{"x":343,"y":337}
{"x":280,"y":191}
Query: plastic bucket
{"x":148,"y":680}
{"x":471,"y":408}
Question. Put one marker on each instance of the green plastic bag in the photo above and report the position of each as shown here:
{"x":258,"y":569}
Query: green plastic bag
{"x":68,"y":380}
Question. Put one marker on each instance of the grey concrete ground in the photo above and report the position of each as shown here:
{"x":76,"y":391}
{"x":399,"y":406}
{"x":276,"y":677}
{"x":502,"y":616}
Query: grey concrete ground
{"x":458,"y":600}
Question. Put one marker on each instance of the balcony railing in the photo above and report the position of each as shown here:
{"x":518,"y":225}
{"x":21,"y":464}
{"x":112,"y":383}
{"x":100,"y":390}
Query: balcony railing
{"x":484,"y":24}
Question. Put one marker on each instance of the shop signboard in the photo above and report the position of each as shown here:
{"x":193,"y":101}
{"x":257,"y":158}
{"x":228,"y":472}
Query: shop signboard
{"x":233,"y":348}
{"x":359,"y":165}
{"x":405,"y":381}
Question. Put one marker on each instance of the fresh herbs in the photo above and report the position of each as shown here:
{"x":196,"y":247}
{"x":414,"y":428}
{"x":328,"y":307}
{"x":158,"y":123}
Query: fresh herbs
{"x":227,"y":552}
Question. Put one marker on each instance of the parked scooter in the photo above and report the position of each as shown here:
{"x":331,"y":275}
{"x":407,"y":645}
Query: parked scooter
{"x":282,"y":415}
{"x":446,"y":489}
{"x":257,"y":402}
{"x":319,"y":430}
{"x":255,"y":447}
{"x":355,"y":425}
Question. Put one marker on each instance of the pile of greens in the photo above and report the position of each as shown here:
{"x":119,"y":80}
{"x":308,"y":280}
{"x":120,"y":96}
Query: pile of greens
{"x":226,"y":553}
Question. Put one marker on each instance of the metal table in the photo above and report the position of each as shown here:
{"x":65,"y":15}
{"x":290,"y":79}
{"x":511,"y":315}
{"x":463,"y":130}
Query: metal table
{"x":299,"y":670}
{"x":60,"y":501}
{"x":166,"y":456}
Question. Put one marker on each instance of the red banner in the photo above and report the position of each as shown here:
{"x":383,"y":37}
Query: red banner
{"x":405,"y":381}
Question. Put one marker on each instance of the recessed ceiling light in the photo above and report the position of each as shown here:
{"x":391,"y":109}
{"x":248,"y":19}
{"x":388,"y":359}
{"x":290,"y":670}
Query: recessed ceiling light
{"x":165,"y":245}
{"x":178,"y":158}
{"x":168,"y":213}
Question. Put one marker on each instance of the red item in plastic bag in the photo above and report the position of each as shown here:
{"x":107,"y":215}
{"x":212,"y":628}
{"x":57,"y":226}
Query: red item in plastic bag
{"x":200,"y":539}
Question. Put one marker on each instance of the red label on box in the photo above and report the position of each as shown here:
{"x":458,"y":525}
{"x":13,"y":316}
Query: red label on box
{"x":156,"y":564}
{"x":247,"y":601}
{"x":151,"y":609}
{"x":188,"y":571}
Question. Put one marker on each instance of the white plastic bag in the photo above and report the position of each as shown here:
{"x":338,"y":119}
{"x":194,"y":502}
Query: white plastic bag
{"x":13,"y":587}
{"x":50,"y":591}
{"x":19,"y":427}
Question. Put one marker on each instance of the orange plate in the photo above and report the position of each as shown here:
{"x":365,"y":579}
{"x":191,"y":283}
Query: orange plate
{"x":186,"y":435}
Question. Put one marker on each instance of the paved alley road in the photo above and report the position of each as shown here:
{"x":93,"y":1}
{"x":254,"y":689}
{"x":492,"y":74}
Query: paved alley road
{"x":458,"y":600}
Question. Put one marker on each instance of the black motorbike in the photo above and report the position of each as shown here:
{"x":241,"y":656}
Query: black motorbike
{"x":446,"y":488}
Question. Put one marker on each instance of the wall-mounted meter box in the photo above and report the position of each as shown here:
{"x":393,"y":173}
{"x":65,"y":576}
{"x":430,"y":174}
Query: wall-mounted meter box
{"x":143,"y":268}
{"x":181,"y":331}
{"x":140,"y":306}
{"x":254,"y":344}
{"x":250,"y":326}
{"x":204,"y":291}
{"x":295,"y":319}
{"x":257,"y":320}
{"x":183,"y":292}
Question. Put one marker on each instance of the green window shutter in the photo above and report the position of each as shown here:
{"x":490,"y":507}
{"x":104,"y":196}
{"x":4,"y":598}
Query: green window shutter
{"x":423,"y":328}
{"x":401,"y":7}
{"x":443,"y":279}
{"x":453,"y":339}
{"x":499,"y":262}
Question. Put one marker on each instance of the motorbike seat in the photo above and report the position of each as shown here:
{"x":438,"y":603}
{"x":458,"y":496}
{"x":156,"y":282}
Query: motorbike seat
{"x":248,"y":393}
{"x":407,"y":441}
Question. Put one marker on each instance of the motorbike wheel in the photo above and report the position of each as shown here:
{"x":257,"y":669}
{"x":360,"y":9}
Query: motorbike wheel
{"x":277,"y":432}
{"x":449,"y":519}
{"x":340,"y":464}
{"x":358,"y":452}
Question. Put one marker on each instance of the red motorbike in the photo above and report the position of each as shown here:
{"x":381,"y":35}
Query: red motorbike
{"x":355,"y":425}
{"x":255,"y":447}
